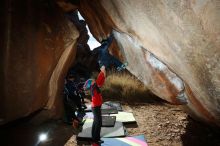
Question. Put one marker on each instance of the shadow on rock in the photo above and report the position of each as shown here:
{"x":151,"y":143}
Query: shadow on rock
{"x":199,"y":134}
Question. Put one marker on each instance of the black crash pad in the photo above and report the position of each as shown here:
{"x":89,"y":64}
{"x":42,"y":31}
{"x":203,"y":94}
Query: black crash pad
{"x":109,"y":111}
{"x":117,"y":131}
{"x":107,"y":121}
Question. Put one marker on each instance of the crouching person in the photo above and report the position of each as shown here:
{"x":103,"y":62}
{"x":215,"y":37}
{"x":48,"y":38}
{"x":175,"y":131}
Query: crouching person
{"x":69,"y":103}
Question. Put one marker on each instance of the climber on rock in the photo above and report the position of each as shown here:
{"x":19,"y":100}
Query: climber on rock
{"x":104,"y":57}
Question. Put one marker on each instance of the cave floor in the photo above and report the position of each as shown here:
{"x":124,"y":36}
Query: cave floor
{"x":161,"y":123}
{"x":166,"y":125}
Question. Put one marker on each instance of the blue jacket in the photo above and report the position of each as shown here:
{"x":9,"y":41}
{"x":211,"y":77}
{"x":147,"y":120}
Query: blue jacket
{"x":70,"y":88}
{"x":104,"y":57}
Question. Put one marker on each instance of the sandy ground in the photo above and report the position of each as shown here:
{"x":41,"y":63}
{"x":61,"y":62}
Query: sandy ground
{"x":167,"y":125}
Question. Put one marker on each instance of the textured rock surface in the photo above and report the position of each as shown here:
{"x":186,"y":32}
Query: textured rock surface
{"x":37,"y":47}
{"x":172,"y":46}
{"x":84,"y":55}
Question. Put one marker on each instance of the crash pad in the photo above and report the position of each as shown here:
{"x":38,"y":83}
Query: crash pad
{"x":138,"y":140}
{"x":109,"y":111}
{"x":107,"y":105}
{"x":115,"y":104}
{"x":105,"y":110}
{"x":117,"y":131}
{"x":107,"y":121}
{"x":125,"y":117}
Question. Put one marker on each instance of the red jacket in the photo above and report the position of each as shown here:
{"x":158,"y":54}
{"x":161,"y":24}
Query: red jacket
{"x":97,"y":97}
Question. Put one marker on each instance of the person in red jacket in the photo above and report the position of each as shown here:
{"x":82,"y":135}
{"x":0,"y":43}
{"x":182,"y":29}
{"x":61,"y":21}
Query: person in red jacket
{"x":94,"y":86}
{"x":96,"y":105}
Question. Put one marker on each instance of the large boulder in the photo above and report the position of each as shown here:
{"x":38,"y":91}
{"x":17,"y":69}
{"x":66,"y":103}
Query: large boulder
{"x":173,"y":47}
{"x":84,"y":56}
{"x":38,"y":45}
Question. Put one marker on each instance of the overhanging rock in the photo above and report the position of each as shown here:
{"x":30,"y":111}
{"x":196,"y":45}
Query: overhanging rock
{"x":182,"y":37}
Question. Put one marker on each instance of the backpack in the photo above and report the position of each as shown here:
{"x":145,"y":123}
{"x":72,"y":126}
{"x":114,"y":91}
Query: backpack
{"x":87,"y":84}
{"x":94,"y":86}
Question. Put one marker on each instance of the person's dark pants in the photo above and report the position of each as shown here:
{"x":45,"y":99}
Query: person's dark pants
{"x":78,"y":102}
{"x":97,"y":123}
{"x":70,"y":109}
{"x":82,"y":95}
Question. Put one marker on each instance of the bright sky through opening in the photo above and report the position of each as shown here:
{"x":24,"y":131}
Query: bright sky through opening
{"x":92,"y":42}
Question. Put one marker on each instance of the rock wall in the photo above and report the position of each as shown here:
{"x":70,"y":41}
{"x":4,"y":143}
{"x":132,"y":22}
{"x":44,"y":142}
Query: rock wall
{"x":84,"y":56}
{"x":171,"y":46}
{"x":38,"y":45}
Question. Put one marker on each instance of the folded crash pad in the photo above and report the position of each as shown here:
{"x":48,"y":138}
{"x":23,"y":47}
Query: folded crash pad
{"x":113,"y":104}
{"x":105,"y":110}
{"x":125,"y":141}
{"x":125,"y":117}
{"x":107,"y":105}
